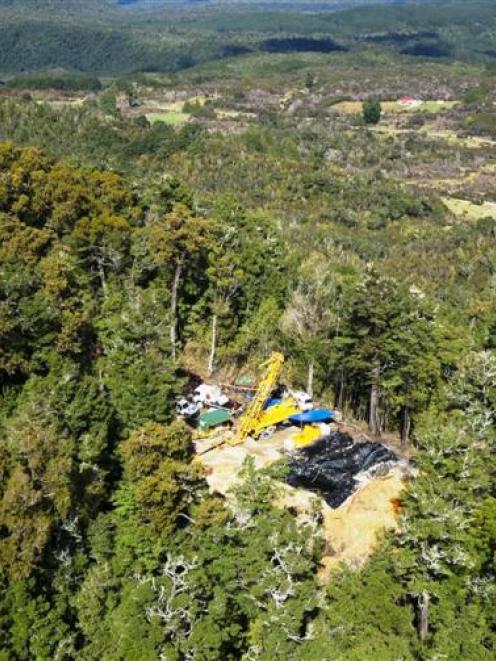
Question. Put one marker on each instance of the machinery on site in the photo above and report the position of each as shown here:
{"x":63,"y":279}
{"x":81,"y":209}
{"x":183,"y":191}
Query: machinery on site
{"x":265,"y":424}
{"x":303,"y":399}
{"x":206,"y":395}
{"x":261,"y":420}
{"x":262,"y":414}
{"x":187,"y":409}
{"x":251,"y":420}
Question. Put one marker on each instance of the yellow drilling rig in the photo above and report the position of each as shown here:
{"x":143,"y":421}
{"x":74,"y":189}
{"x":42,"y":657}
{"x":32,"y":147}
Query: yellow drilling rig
{"x":255,"y":419}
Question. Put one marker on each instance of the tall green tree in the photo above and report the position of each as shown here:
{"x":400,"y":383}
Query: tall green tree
{"x":175,"y":244}
{"x":371,"y":111}
{"x":392,"y":349}
{"x":246,"y":265}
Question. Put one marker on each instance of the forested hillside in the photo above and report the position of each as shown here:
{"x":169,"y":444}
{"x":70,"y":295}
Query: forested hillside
{"x":106,"y":523}
{"x":289,"y":188}
{"x":108,"y":39}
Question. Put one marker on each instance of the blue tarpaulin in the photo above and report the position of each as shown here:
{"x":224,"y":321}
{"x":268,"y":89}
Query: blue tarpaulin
{"x":317,"y":415}
{"x":272,"y":402}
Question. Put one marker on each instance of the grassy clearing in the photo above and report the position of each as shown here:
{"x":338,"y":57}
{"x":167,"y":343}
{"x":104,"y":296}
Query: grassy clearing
{"x":178,"y":105}
{"x":447,"y":135}
{"x":478,"y":142}
{"x":436,"y":106}
{"x":470,"y":142}
{"x":170,"y":112}
{"x":172,"y":117}
{"x":352,"y":107}
{"x":468,"y":210}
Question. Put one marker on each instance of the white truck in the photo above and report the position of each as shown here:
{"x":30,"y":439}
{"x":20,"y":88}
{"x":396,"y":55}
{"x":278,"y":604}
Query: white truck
{"x":303,"y":399}
{"x":186,"y":408}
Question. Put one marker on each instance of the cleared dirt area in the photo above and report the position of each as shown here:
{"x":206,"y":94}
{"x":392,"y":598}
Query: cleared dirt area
{"x":351,"y":532}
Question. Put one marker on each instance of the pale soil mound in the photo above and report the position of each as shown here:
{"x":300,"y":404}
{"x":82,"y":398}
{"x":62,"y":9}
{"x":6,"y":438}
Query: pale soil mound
{"x":222,"y":464}
{"x":353,"y":531}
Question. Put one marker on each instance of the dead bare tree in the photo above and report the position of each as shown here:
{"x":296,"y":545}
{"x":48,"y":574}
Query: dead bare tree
{"x":423,"y":620}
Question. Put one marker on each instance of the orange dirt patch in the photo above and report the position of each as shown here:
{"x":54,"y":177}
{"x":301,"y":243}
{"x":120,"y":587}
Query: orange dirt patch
{"x":353,"y":531}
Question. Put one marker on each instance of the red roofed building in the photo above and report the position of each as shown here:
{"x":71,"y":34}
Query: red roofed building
{"x":409,"y":101}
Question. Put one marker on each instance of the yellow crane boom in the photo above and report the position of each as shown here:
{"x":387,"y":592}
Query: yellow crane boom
{"x":275,"y":415}
{"x":249,"y":420}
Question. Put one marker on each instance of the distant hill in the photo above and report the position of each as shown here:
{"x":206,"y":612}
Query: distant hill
{"x":316,"y":5}
{"x":99,"y":36}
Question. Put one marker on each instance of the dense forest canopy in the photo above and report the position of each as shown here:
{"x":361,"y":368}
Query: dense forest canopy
{"x":184,"y":190}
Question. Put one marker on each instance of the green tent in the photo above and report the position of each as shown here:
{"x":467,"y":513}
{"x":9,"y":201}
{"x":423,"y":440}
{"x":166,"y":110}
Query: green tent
{"x":214,"y":418}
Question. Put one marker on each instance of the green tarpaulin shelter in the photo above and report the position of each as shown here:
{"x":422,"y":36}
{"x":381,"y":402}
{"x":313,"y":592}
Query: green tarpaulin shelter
{"x":214,"y":418}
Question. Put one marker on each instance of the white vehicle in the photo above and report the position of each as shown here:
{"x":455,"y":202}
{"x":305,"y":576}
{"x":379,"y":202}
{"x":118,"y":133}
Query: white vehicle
{"x":210,"y":396}
{"x":303,"y":399}
{"x":186,"y":408}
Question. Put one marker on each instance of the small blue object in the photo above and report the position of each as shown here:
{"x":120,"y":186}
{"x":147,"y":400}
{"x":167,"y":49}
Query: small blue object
{"x":272,"y":402}
{"x":317,"y":415}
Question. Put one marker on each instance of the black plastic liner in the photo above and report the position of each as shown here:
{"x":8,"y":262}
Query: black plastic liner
{"x":329,"y":466}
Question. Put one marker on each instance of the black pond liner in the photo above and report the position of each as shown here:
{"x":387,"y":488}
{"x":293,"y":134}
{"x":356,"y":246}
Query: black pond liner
{"x":330,"y":465}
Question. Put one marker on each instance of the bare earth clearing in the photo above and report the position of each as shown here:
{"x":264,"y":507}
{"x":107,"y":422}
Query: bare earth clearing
{"x":351,"y":532}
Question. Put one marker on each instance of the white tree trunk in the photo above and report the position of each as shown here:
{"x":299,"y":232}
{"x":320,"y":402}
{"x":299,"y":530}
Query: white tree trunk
{"x":341,"y":391}
{"x":405,"y":427}
{"x":103,"y":279}
{"x":173,"y":306}
{"x":374,"y":425}
{"x":423,"y":620}
{"x":213,"y":345}
{"x":310,"y":378}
